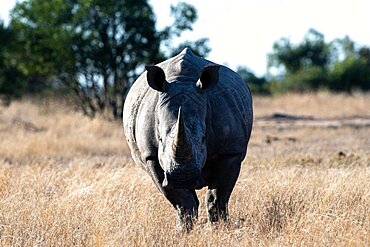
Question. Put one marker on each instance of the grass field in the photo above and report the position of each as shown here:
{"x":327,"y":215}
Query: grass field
{"x":66,"y":180}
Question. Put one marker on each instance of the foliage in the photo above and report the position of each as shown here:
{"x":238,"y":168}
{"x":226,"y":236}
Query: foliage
{"x":184,"y":16}
{"x":112,"y":38}
{"x":308,"y":79}
{"x":41,"y":50}
{"x":257,"y":85}
{"x":351,"y":73}
{"x":314,"y":64}
{"x":11,"y":84}
{"x":311,"y":52}
{"x":94,"y":48}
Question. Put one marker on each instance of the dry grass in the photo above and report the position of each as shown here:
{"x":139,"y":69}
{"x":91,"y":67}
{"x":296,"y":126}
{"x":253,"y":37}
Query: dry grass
{"x":322,"y":104}
{"x":66,"y":180}
{"x":31,"y":131}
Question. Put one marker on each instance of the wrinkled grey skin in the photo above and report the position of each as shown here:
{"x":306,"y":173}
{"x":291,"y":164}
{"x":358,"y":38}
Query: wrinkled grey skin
{"x":187,"y":122}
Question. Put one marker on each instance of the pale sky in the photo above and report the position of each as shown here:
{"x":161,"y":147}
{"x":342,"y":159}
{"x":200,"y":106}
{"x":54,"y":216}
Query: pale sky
{"x":242,"y":32}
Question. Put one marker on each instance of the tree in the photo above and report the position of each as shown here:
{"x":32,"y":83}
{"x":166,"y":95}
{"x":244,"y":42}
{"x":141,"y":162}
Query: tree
{"x":304,"y":66}
{"x":184,"y":15}
{"x":112,"y":39}
{"x":96,"y":48}
{"x":351,"y":66}
{"x":256,"y":84}
{"x":11,"y":85}
{"x":340,"y":65}
{"x":312,"y":52}
{"x":42,"y":49}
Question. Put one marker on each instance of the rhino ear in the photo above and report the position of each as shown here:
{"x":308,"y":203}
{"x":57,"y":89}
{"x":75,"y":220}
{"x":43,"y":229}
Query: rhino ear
{"x":209,"y":76}
{"x":156,"y":78}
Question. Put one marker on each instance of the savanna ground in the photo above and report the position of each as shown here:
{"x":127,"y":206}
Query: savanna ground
{"x":66,"y":180}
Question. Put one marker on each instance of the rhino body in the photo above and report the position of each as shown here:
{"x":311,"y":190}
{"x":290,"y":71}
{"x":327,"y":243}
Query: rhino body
{"x":187,"y":122}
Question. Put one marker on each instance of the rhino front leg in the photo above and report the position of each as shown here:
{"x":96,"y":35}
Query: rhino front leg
{"x":224,"y":173}
{"x":185,"y":201}
{"x":186,"y":204}
{"x":156,"y":173}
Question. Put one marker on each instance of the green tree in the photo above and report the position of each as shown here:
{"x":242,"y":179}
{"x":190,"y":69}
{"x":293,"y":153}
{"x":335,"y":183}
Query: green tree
{"x":184,"y":15}
{"x":111,"y":40}
{"x":312,"y":52}
{"x":96,"y":48}
{"x":41,"y":49}
{"x":256,"y":84}
{"x":351,"y":66}
{"x":303,"y":66}
{"x":340,"y":65}
{"x":11,"y":79}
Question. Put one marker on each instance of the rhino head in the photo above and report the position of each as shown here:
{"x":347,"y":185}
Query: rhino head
{"x":181,"y":125}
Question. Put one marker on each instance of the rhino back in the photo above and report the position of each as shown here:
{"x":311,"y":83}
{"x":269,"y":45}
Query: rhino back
{"x":230,"y":115}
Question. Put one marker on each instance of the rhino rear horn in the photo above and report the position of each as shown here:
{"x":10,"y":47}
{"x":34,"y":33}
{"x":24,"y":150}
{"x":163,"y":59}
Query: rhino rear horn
{"x":156,"y":78}
{"x":182,"y":149}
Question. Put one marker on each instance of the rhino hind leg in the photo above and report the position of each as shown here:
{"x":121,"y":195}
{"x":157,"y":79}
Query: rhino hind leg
{"x":224,"y":174}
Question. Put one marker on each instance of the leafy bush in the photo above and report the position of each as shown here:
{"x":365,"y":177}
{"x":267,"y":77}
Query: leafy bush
{"x":257,"y":85}
{"x":340,"y":65}
{"x":352,"y":73}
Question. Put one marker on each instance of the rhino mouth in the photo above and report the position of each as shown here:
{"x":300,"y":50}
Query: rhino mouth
{"x":183,"y":181}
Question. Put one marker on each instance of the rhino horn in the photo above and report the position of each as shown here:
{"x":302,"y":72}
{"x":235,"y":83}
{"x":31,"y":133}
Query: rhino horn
{"x":182,"y":149}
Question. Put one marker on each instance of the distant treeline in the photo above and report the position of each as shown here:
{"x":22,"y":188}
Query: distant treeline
{"x":93,"y":50}
{"x":340,"y":65}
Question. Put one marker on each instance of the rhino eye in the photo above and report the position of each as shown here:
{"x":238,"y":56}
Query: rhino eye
{"x":160,"y":140}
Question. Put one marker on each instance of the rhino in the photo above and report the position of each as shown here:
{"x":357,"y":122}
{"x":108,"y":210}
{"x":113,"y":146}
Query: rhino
{"x":187,"y":122}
